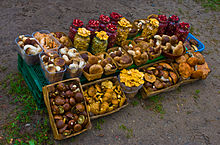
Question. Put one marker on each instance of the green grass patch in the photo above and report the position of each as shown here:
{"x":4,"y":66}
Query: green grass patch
{"x":128,"y":131}
{"x":16,"y":130}
{"x":156,"y":105}
{"x":99,"y":123}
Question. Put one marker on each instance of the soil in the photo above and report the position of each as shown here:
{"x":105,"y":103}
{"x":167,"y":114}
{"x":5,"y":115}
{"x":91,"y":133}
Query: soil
{"x":187,"y":120}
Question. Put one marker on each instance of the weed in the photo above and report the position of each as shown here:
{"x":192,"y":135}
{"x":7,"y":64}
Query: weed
{"x":14,"y":131}
{"x":135,"y":103}
{"x":180,"y":10}
{"x":197,"y":91}
{"x":98,"y":124}
{"x":156,"y":104}
{"x":188,"y":112}
{"x":192,"y":29}
{"x":3,"y":68}
{"x":129,"y":131}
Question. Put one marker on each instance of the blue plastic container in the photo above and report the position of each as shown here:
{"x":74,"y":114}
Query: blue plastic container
{"x":201,"y":46}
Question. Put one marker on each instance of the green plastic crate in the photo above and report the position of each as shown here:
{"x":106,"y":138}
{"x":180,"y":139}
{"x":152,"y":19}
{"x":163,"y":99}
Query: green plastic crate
{"x":31,"y":75}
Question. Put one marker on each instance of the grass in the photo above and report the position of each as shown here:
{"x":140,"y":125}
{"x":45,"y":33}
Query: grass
{"x":156,"y":105}
{"x":14,"y":131}
{"x":134,"y":103}
{"x":196,"y":95}
{"x":210,"y":4}
{"x":99,"y":123}
{"x":128,"y":131}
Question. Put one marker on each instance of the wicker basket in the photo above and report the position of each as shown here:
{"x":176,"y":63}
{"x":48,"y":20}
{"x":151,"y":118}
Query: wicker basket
{"x":140,"y":29}
{"x":88,"y":76}
{"x":115,"y":80}
{"x":125,"y":44}
{"x":146,"y":94}
{"x":108,"y":56}
{"x":46,"y":91}
{"x":131,"y":35}
{"x":121,"y":66}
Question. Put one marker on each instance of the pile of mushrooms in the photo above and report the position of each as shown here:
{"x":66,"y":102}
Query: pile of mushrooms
{"x":103,"y":97}
{"x":73,"y":59}
{"x":139,"y":54}
{"x":159,"y":76}
{"x":140,"y":24}
{"x":106,"y":62}
{"x":68,"y":108}
{"x":120,"y":56}
{"x":29,"y":45}
{"x":93,"y":65}
{"x":63,"y":39}
{"x":170,"y":44}
{"x":47,"y":42}
{"x":53,"y":62}
{"x":192,"y":65}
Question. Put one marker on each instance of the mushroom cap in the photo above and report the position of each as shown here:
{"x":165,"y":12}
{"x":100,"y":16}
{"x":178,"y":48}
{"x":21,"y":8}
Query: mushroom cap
{"x":174,"y":77}
{"x":185,"y":70}
{"x":59,"y":61}
{"x":166,"y":65}
{"x":200,"y":57}
{"x":192,"y":61}
{"x":205,"y":69}
{"x":150,"y":77}
{"x":197,"y":74}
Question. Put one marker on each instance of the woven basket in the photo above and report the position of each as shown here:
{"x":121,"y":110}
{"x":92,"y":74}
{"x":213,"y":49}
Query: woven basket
{"x":140,"y":29}
{"x":114,"y":63}
{"x":146,"y":94}
{"x":125,"y":44}
{"x":115,"y":80}
{"x":121,"y":66}
{"x":46,"y":91}
{"x":88,"y":76}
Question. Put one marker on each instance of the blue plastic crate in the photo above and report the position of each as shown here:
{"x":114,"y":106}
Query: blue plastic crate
{"x":201,"y":46}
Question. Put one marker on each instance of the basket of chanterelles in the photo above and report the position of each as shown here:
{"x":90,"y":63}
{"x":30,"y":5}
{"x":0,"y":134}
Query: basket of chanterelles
{"x":67,"y":109}
{"x":131,"y":81}
{"x":104,"y":97}
{"x":159,"y":77}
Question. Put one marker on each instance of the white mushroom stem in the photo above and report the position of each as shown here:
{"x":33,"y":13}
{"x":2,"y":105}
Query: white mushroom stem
{"x":165,"y":80}
{"x":132,"y":52}
{"x":30,"y":46}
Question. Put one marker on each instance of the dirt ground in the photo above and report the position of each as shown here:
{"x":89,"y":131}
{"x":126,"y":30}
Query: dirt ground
{"x":186,"y":120}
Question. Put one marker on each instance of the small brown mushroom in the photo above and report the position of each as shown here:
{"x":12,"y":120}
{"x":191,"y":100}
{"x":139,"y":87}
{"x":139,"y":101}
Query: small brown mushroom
{"x":60,"y":123}
{"x":72,"y":101}
{"x":79,"y":97}
{"x":66,"y":107}
{"x":61,"y":130}
{"x":59,"y":61}
{"x":77,"y":127}
{"x":69,"y":93}
{"x":80,"y":107}
{"x":59,"y":100}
